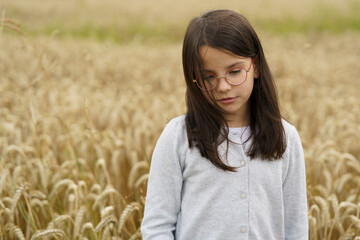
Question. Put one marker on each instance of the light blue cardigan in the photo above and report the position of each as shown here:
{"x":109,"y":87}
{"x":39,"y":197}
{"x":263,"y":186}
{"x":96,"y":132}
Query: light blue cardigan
{"x":188,"y":198}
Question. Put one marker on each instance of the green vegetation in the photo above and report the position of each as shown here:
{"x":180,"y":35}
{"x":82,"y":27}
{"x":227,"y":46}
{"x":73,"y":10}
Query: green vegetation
{"x":126,"y":28}
{"x":140,"y":32}
{"x":322,"y":19}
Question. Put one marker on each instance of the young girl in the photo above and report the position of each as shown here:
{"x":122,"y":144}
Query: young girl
{"x":231,"y":167}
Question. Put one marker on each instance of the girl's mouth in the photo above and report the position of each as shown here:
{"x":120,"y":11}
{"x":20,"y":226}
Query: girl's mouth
{"x":227,"y":100}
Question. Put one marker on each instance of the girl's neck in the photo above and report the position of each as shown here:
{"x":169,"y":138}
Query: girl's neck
{"x":236,"y":121}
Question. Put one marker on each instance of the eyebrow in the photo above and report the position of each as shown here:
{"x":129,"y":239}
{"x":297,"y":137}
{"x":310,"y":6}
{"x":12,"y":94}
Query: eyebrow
{"x":228,"y":67}
{"x":235,"y":63}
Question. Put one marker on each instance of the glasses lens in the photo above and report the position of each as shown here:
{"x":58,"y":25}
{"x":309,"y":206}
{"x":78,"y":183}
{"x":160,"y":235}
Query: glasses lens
{"x":207,"y":81}
{"x":236,"y":75}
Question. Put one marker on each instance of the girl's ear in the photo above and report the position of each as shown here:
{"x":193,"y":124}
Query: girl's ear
{"x":256,"y":72}
{"x":256,"y":69}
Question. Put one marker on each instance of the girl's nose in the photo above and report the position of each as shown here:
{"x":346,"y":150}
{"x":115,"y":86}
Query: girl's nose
{"x":223,"y":85}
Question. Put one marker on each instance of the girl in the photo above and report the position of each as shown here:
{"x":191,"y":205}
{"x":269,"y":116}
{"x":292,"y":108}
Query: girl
{"x":231,"y":167}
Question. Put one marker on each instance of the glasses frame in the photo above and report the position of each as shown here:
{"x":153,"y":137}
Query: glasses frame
{"x":227,"y":80}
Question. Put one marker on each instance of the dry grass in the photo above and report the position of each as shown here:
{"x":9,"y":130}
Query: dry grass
{"x":79,"y":121}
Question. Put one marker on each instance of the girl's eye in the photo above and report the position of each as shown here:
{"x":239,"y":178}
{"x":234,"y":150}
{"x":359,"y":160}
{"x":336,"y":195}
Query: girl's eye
{"x":208,"y":77}
{"x":235,"y":71}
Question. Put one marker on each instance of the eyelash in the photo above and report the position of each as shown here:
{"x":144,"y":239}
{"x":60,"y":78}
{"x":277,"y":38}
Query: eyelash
{"x":235,"y":71}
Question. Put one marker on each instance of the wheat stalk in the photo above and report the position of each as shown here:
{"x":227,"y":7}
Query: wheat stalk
{"x":143,"y":179}
{"x":108,"y":191}
{"x":43,"y":174}
{"x":74,"y":197}
{"x":95,"y":188}
{"x":78,"y":220}
{"x":134,"y":170}
{"x":88,"y":226}
{"x":336,"y":220}
{"x":59,"y":219}
{"x":15,"y":201}
{"x":134,"y":206}
{"x":105,"y":221}
{"x":37,"y":194}
{"x":106,"y":234}
{"x":136,"y":236}
{"x":38,"y":203}
{"x":4,"y":174}
{"x":352,"y":162}
{"x":57,"y":233}
{"x":14,"y":148}
{"x":15,"y":230}
{"x":13,"y":25}
{"x":101,"y":164}
{"x":107,"y":211}
{"x":2,"y":205}
{"x":82,"y":189}
{"x":62,"y":182}
{"x":341,"y":181}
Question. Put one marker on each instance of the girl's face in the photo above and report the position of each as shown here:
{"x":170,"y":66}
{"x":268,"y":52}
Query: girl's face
{"x":233,"y":99}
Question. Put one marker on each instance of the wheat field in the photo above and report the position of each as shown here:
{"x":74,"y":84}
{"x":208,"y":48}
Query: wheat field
{"x":79,"y":120}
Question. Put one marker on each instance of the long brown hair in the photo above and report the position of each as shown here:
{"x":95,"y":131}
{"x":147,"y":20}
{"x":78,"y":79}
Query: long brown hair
{"x":205,"y":125}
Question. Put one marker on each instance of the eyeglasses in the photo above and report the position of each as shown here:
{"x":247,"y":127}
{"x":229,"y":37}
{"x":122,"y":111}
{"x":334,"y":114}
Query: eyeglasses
{"x":234,"y":76}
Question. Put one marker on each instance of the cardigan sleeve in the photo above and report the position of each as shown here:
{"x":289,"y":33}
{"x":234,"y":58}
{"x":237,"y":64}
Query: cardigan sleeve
{"x":163,"y":197}
{"x":294,"y":191}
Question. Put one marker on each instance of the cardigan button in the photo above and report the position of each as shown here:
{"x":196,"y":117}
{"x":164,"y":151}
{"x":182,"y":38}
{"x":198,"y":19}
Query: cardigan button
{"x":242,"y":163}
{"x":243,"y":229}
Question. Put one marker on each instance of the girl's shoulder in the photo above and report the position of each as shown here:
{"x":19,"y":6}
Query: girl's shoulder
{"x":175,"y":129}
{"x":178,"y":121}
{"x":176,"y":124}
{"x":290,"y":130}
{"x":292,"y":137}
{"x":288,"y":127}
{"x":173,"y":140}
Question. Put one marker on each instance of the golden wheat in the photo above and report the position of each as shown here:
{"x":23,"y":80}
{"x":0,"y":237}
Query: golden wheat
{"x":86,"y":227}
{"x":80,"y":120}
{"x":46,"y":233}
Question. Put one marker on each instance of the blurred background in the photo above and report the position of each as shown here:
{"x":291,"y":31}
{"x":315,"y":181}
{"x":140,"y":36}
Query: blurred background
{"x":87,"y":87}
{"x":165,"y":21}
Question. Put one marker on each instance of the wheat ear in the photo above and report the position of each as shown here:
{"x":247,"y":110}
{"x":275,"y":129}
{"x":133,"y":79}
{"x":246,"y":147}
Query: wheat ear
{"x":134,"y":170}
{"x":16,"y":198}
{"x":87,"y":226}
{"x":136,"y":236}
{"x":78,"y":219}
{"x":134,"y":206}
{"x":106,"y":192}
{"x":4,"y":175}
{"x":105,"y":221}
{"x":17,"y":231}
{"x":56,"y":221}
{"x":57,"y":233}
